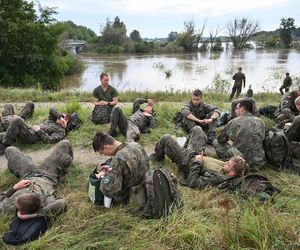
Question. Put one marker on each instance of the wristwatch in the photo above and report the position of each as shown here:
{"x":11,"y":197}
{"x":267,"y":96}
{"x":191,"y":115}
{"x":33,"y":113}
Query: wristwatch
{"x":108,"y":103}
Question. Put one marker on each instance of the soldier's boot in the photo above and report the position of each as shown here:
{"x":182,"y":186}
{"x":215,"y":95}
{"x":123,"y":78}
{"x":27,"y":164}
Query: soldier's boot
{"x":210,"y":137}
{"x":3,"y":146}
{"x":27,"y":111}
{"x":113,"y":133}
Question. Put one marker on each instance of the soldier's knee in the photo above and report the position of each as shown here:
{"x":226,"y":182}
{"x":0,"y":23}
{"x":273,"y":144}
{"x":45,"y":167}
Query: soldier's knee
{"x":11,"y":150}
{"x":65,"y":147}
{"x":17,"y":120}
{"x":297,"y":119}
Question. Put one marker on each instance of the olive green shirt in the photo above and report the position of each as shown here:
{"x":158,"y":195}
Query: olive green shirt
{"x":107,"y":95}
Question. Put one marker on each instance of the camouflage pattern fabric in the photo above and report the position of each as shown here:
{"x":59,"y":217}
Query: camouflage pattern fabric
{"x":44,"y":177}
{"x":287,"y":109}
{"x":27,"y":111}
{"x":129,"y":166}
{"x":293,"y":136}
{"x":247,"y":134}
{"x":204,"y":111}
{"x":8,"y":109}
{"x":181,"y":156}
{"x":287,"y":83}
{"x":101,"y":114}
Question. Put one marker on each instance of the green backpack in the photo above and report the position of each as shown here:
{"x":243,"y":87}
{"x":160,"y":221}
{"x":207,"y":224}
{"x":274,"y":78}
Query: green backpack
{"x":162,"y":195}
{"x":95,"y":194}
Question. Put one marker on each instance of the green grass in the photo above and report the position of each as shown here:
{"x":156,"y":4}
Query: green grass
{"x":209,"y":219}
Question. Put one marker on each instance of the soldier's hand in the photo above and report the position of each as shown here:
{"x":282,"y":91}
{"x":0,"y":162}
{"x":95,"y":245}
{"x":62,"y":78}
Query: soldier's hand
{"x":105,"y":168}
{"x":151,"y":101}
{"x":199,"y":157}
{"x":201,"y":122}
{"x":36,"y":128}
{"x":22,"y":184}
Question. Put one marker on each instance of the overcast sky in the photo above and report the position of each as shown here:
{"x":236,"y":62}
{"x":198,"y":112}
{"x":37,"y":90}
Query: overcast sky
{"x":156,"y":18}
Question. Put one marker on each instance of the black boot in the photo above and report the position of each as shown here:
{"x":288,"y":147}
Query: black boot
{"x":210,"y":137}
{"x":3,"y":146}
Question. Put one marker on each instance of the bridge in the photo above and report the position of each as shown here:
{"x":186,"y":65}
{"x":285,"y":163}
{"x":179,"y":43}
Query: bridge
{"x":75,"y":46}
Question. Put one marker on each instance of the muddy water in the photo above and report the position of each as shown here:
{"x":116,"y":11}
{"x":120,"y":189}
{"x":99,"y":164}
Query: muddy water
{"x":264,"y":69}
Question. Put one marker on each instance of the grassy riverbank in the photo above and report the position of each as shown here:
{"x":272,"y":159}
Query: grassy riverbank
{"x":209,"y":219}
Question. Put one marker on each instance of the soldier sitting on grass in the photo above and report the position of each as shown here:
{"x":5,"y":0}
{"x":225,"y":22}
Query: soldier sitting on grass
{"x":50,"y":131}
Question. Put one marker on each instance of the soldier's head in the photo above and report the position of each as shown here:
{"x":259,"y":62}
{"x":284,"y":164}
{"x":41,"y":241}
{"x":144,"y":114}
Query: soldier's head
{"x":243,"y":106}
{"x":297,"y":103}
{"x":240,"y":69}
{"x":104,"y":79}
{"x":287,"y":74}
{"x":197,"y":97}
{"x":236,"y":166}
{"x":148,"y":109}
{"x":28,"y":204}
{"x":105,"y":144}
{"x":63,"y":120}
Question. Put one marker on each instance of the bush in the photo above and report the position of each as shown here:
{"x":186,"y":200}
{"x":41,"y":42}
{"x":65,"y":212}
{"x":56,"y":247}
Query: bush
{"x":74,"y":64}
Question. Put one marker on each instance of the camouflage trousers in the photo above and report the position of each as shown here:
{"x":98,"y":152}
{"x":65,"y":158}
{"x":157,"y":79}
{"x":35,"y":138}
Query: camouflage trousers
{"x":188,"y":124}
{"x":101,"y":114}
{"x":25,"y":113}
{"x":18,"y":129}
{"x":283,"y":116}
{"x":181,"y":156}
{"x":126,"y":127}
{"x":44,"y":177}
{"x":236,"y":88}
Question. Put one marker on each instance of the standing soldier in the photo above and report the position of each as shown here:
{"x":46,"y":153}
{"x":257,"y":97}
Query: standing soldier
{"x":239,"y":79}
{"x":287,"y":83}
{"x":105,"y":98}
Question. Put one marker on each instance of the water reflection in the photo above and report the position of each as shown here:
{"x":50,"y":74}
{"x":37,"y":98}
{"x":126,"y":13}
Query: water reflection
{"x":264,"y":70}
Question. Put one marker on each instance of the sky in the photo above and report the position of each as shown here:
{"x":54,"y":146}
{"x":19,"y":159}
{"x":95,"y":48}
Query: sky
{"x":157,"y":18}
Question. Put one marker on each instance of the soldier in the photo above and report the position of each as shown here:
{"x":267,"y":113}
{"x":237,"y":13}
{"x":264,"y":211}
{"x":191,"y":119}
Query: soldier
{"x":197,"y":113}
{"x":287,"y":83}
{"x":40,"y":179}
{"x":287,"y":109}
{"x":8,"y":114}
{"x":236,"y":101}
{"x":127,"y":168}
{"x":239,"y":79}
{"x":246,"y":133}
{"x":201,"y":175}
{"x":139,"y":122}
{"x":183,"y":157}
{"x":50,"y":131}
{"x":105,"y":98}
{"x":249,"y":92}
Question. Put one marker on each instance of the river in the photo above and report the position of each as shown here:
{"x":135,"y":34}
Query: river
{"x":264,"y":70}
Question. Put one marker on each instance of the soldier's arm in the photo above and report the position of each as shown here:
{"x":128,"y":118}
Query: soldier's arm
{"x":216,"y":111}
{"x":286,"y":103}
{"x":196,"y":180}
{"x":224,"y":135}
{"x":53,"y":138}
{"x":137,"y":103}
{"x":111,"y":183}
{"x":153,"y":122}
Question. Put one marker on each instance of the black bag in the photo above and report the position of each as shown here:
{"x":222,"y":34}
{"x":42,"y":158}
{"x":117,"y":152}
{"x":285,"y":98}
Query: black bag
{"x":95,"y":194}
{"x":268,"y":111}
{"x":162,"y":195}
{"x":252,"y":185}
{"x":22,"y":231}
{"x":277,"y":150}
{"x":74,"y":123}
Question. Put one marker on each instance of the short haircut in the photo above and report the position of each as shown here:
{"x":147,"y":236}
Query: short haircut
{"x":287,"y":73}
{"x":197,"y":92}
{"x":29,"y":203}
{"x":297,"y":101}
{"x":240,"y":166}
{"x":246,"y":104}
{"x":240,"y":68}
{"x":102,"y":75}
{"x":101,"y":139}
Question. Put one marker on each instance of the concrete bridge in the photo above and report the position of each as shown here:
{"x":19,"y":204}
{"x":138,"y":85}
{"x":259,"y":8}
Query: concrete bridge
{"x":75,"y":46}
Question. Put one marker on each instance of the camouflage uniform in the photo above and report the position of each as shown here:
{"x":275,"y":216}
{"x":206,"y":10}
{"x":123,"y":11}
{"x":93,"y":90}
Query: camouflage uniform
{"x":44,"y":176}
{"x":182,"y":156}
{"x":129,"y":166}
{"x":247,"y":134}
{"x":287,"y":83}
{"x":8,"y":114}
{"x":204,"y":111}
{"x":287,"y":109}
{"x":293,"y":135}
{"x":136,"y":124}
{"x":101,"y":114}
{"x":236,"y":101}
{"x":201,"y":176}
{"x":50,"y":132}
{"x":239,"y":78}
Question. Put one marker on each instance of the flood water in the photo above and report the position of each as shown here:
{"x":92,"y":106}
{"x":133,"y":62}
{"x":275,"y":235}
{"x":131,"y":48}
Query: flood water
{"x":264,"y":70}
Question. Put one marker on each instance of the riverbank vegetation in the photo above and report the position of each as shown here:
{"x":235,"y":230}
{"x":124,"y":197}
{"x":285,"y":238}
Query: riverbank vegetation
{"x":209,"y":219}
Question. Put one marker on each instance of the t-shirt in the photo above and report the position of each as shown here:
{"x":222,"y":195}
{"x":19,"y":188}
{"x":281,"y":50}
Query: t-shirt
{"x":107,"y":95}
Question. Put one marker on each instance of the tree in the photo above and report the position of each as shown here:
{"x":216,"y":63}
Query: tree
{"x":135,"y":35}
{"x":172,"y":36}
{"x":212,"y":37}
{"x":113,"y":33}
{"x":286,"y":31}
{"x":28,"y":51}
{"x":190,"y":38}
{"x":241,"y":30}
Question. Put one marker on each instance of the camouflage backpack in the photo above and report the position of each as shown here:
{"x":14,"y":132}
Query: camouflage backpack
{"x":162,"y":195}
{"x":277,"y":150}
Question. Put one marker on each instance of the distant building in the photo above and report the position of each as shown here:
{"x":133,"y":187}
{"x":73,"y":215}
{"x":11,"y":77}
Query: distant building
{"x":74,"y":46}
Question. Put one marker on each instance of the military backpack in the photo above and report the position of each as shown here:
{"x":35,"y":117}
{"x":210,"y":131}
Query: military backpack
{"x":277,"y":150}
{"x":162,"y":195}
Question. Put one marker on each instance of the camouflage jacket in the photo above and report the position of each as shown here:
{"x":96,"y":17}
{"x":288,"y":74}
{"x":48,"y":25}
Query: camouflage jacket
{"x":239,"y":78}
{"x":247,"y":133}
{"x":200,"y":112}
{"x":287,"y":102}
{"x":129,"y":166}
{"x":5,"y":121}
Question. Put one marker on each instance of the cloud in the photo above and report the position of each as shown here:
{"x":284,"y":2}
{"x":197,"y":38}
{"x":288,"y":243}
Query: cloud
{"x":152,"y":7}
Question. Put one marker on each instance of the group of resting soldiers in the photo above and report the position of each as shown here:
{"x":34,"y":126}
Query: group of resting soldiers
{"x":239,"y":146}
